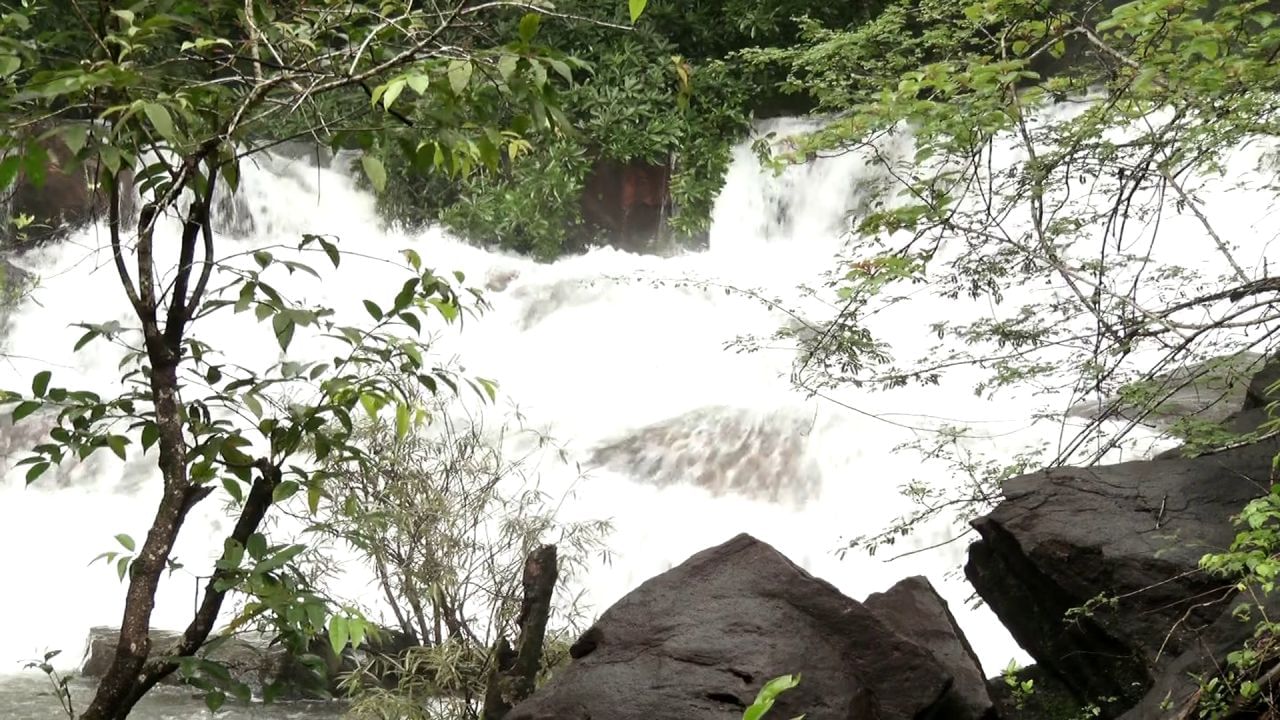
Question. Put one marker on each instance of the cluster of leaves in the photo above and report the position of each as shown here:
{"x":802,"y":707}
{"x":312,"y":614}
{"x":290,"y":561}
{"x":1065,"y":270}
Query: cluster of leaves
{"x":992,"y":190}
{"x":534,"y":208}
{"x":673,"y":93}
{"x":1252,"y":564}
{"x":168,"y":96}
{"x":446,"y":522}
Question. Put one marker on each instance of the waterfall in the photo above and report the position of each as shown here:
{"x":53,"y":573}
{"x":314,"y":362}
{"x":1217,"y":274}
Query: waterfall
{"x":621,"y":356}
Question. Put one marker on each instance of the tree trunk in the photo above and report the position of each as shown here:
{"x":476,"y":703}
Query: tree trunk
{"x":515,"y":672}
{"x":134,"y":646}
{"x":133,"y":672}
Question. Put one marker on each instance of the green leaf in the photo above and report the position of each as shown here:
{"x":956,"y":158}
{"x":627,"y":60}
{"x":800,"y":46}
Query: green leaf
{"x":372,"y":308}
{"x":279,"y":560}
{"x":338,"y":634}
{"x":122,"y":566}
{"x":257,"y":546}
{"x":215,"y":700}
{"x":332,"y":251}
{"x":357,"y":629}
{"x":284,"y":327}
{"x":161,"y":121}
{"x":459,"y":75}
{"x":242,"y":692}
{"x":371,"y":405}
{"x":232,"y":554}
{"x":127,"y":542}
{"x":85,"y":339}
{"x":402,"y":420}
{"x":768,"y":694}
{"x":529,"y":26}
{"x":150,"y":434}
{"x":376,"y":173}
{"x":75,"y":135}
{"x":561,"y":68}
{"x":394,"y":88}
{"x":9,"y":170}
{"x":9,"y":65}
{"x":117,"y":444}
{"x":251,"y":402}
{"x":419,"y":83}
{"x":40,"y":383}
{"x":24,"y":409}
{"x":284,"y":491}
{"x":637,"y":8}
{"x":36,"y":471}
{"x":233,"y":489}
{"x":507,"y":65}
{"x":314,"y":493}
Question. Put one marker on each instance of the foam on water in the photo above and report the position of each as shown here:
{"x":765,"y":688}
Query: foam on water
{"x":606,"y":350}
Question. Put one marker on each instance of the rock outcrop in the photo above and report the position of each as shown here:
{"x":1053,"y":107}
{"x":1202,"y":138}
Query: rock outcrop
{"x":63,"y":199}
{"x":628,"y":202}
{"x":252,"y":662}
{"x":698,"y":642}
{"x":1212,"y":390}
{"x":255,"y":661}
{"x":1123,"y":542}
{"x":915,"y":610}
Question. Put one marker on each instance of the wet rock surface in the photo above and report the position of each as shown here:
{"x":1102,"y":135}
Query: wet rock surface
{"x":1123,"y":541}
{"x":914,"y":609}
{"x":760,"y":455}
{"x":698,"y":642}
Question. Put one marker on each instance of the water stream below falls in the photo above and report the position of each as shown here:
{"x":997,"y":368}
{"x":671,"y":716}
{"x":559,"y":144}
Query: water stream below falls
{"x":687,"y":443}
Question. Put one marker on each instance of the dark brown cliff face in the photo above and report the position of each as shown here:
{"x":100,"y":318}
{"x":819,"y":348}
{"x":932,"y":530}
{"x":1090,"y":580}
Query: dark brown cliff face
{"x":627,"y":202}
{"x":65,"y":199}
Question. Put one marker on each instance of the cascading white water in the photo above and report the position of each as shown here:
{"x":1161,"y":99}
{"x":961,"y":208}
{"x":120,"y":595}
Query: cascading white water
{"x":604,"y":349}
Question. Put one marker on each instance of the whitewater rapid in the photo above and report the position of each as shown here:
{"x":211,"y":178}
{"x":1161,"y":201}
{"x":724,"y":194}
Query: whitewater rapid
{"x":602,"y":349}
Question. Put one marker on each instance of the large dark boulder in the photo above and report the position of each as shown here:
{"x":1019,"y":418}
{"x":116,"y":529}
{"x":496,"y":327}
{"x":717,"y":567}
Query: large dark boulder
{"x":915,"y":610}
{"x":1124,"y":543}
{"x":698,"y":642}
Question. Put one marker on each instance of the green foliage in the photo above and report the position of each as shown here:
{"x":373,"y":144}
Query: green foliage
{"x":671,"y":93}
{"x":534,"y":208}
{"x":60,"y":684}
{"x":841,"y":66}
{"x":1252,"y":564}
{"x":938,"y":99}
{"x":768,"y":695}
{"x":1019,"y":690}
{"x":446,"y":521}
{"x":179,"y":92}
